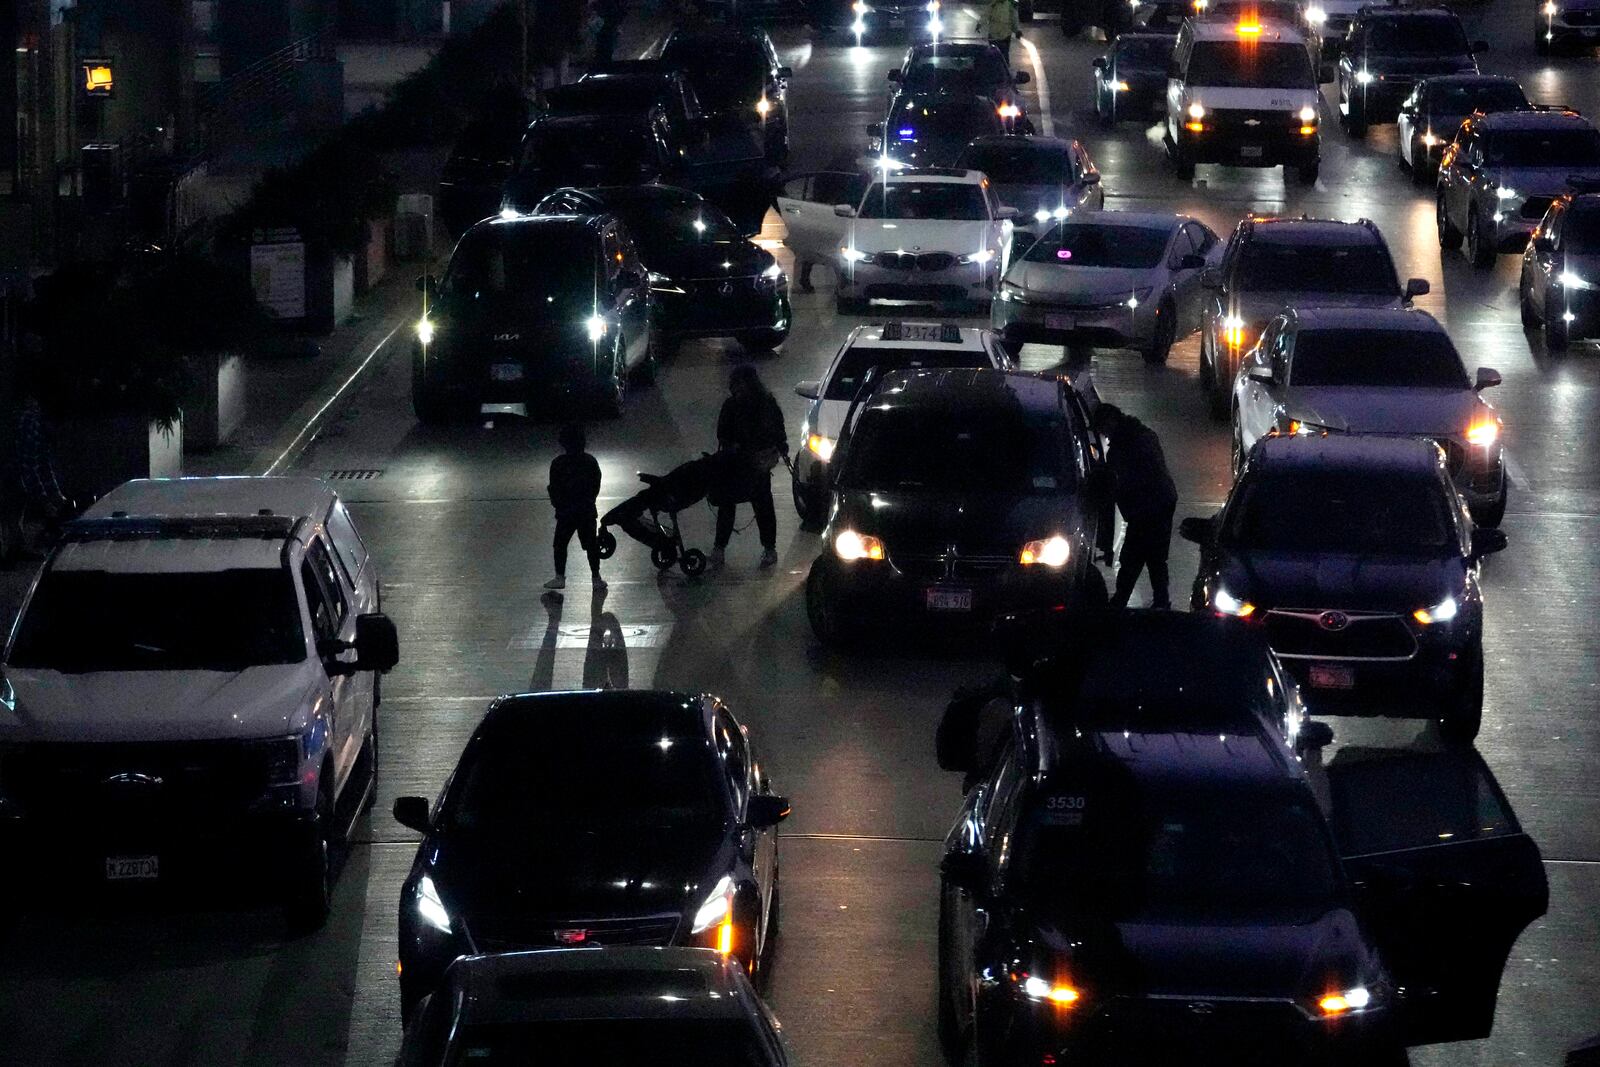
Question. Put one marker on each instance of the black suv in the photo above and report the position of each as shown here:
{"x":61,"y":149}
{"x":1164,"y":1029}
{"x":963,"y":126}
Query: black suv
{"x":1273,"y":263}
{"x":597,"y":818}
{"x":736,"y":73}
{"x":706,"y":279}
{"x":1141,"y":871}
{"x":1361,"y":562}
{"x":1390,"y":49}
{"x":961,"y":493}
{"x":531,"y":309}
{"x":1560,"y":272}
{"x":483,"y":157}
{"x":931,"y":129}
{"x":1130,"y":80}
{"x":972,"y":68}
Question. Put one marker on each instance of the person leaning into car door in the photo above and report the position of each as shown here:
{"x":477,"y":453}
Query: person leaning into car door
{"x":751,"y":425}
{"x":1142,"y":488}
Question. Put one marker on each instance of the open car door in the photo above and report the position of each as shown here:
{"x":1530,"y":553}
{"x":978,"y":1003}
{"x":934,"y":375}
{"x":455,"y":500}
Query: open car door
{"x":1443,"y":875}
{"x":806,"y":203}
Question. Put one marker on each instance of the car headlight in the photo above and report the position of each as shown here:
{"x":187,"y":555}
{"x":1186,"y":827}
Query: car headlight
{"x":1316,"y":16}
{"x":1484,"y":432}
{"x":1429,"y":139}
{"x":1008,"y":110}
{"x":1355,"y":999}
{"x":1228,"y":604}
{"x":763,"y":107}
{"x":425,"y":331}
{"x":717,"y":907}
{"x":660,"y":283}
{"x":1045,"y":214}
{"x":597,"y":327}
{"x":855,"y":255}
{"x":1443,"y":611}
{"x":1570,"y":280}
{"x":1550,"y":9}
{"x":980,"y":257}
{"x":429,"y":907}
{"x":1048,"y":552}
{"x":1121,"y":87}
{"x":1137,"y":297}
{"x":1233,"y":330}
{"x":851,"y":546}
{"x":1308,"y":115}
{"x":859,"y":8}
{"x":1197,"y":110}
{"x":1058,"y":993}
{"x":1363,"y":77}
{"x":281,"y":757}
{"x":1505,"y":192}
{"x":820,"y":446}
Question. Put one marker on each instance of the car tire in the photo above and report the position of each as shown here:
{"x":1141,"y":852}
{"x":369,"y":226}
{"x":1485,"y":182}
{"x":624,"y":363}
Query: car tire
{"x":1530,"y":318}
{"x":1166,"y":334}
{"x":763,"y":340}
{"x":1355,"y":118}
{"x":1182,"y":169}
{"x":1236,"y":447}
{"x":1449,"y":236}
{"x":825,"y":622}
{"x":1462,"y":716}
{"x":1479,"y":253}
{"x":310,"y":895}
{"x":949,"y":1024}
{"x":1419,"y":161}
{"x":1306,"y":173}
{"x":1492,"y":514}
{"x":812,"y":510}
{"x":1556,"y":333}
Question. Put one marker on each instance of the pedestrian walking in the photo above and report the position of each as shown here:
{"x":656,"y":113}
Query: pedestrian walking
{"x":574,"y":487}
{"x":28,"y":482}
{"x":1143,"y":491}
{"x":1000,"y":24}
{"x":751,"y":426}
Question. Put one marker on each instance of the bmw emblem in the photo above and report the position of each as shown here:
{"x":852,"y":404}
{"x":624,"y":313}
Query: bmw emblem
{"x":1333,"y":620}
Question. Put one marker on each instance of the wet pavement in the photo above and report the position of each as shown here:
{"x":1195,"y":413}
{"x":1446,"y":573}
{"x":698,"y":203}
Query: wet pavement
{"x":458,"y":522}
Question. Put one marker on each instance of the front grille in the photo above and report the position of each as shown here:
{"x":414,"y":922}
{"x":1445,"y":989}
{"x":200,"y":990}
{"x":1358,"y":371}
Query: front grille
{"x":510,"y":933}
{"x":714,"y":287}
{"x":929,"y":261}
{"x":934,"y":568}
{"x":1198,"y":1029}
{"x":1267,"y":123}
{"x":933,"y":294}
{"x":1075,"y":306}
{"x":136,"y":783}
{"x":1313,"y":634}
{"x":1535,"y":206}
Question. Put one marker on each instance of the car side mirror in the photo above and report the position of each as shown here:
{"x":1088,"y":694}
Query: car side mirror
{"x":412,"y":813}
{"x":1416,"y":287}
{"x":966,"y":870}
{"x":1007,"y":213}
{"x":894,"y":75}
{"x":377,"y":643}
{"x":1020,"y":78}
{"x":1259,"y":372}
{"x":844,"y":211}
{"x":1211,"y":277}
{"x":1488,"y":378}
{"x":1099,"y":63}
{"x":1198,"y":529}
{"x":1486,"y":541}
{"x":808,"y":390}
{"x":785,"y":73}
{"x":766,"y":810}
{"x":1192,"y":261}
{"x":1092,"y":178}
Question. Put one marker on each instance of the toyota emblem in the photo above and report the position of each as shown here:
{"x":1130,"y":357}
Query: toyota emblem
{"x":1333,"y":620}
{"x":1201,"y":1007}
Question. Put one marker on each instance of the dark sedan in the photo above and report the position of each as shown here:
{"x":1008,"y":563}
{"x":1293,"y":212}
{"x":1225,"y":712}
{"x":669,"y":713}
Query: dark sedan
{"x":960,"y":494}
{"x":706,"y":279}
{"x":971,"y":68}
{"x":532,"y":309}
{"x":599,"y":818}
{"x":1359,"y":558}
{"x":1130,"y":80}
{"x":932,"y":129}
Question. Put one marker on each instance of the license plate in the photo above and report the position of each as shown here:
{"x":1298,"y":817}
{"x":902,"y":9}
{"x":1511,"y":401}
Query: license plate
{"x":1328,"y":676}
{"x":506,"y":372}
{"x":1060,"y":322}
{"x":1591,"y":34}
{"x":949,"y":599}
{"x":1250,"y":151}
{"x":122,"y":868}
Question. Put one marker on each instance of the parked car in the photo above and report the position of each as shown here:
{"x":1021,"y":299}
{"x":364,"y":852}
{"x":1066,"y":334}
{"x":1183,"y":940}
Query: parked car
{"x":1387,"y":51}
{"x":737,"y":74}
{"x":1565,"y":24}
{"x":1130,"y":80}
{"x":523,"y":851}
{"x":1435,"y":110}
{"x":965,"y":68}
{"x":1561,"y":272}
{"x":532,"y":309}
{"x":928,"y":130}
{"x":1044,"y":178}
{"x":191,"y":695}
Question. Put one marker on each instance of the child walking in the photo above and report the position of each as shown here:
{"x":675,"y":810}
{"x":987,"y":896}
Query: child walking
{"x":574,"y":485}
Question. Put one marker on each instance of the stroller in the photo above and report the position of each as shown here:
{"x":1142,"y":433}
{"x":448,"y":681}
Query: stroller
{"x":664,"y":496}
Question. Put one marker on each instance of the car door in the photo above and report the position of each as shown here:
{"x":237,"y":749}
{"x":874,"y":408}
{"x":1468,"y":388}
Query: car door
{"x":1092,"y":193}
{"x":807,"y":201}
{"x":630,"y":283}
{"x":759,"y":847}
{"x":332,"y":620}
{"x":1444,"y":877}
{"x":1544,"y":252}
{"x":1190,"y":240}
{"x":1468,"y":160}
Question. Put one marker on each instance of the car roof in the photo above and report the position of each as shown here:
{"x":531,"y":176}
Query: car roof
{"x":1032,"y":140}
{"x":946,"y":175}
{"x":1411,"y":320}
{"x":969,"y":387}
{"x":955,"y":339}
{"x":234,"y":497}
{"x":607,"y":196}
{"x":1271,"y":30}
{"x":550,"y":223}
{"x":625,"y":982}
{"x":717,"y":34}
{"x":622,"y":715}
{"x":1530,"y":119}
{"x":1469,"y":78}
{"x":969,"y":47}
{"x":1309,"y":231}
{"x":1366,"y":453}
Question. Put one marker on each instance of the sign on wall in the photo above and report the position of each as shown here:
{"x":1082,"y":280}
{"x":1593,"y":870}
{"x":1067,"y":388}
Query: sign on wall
{"x":278,"y":273}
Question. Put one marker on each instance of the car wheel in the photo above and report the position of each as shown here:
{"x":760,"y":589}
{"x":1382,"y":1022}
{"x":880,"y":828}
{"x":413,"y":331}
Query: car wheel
{"x":1306,"y":173}
{"x":1463,"y":712}
{"x":1555,"y":326}
{"x":1449,"y":236}
{"x":1182,"y":168}
{"x":764,"y":340}
{"x":811,"y":506}
{"x":1480,"y":253}
{"x":820,"y":612}
{"x":950,"y":1023}
{"x":1166,"y":334}
{"x":310,"y":895}
{"x":1236,"y":452}
{"x":1493,"y":513}
{"x":1355,"y":118}
{"x":1530,"y":318}
{"x":1419,"y":161}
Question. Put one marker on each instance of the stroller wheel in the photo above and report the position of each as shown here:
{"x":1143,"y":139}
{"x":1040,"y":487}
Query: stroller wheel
{"x":605,"y":543}
{"x":694,"y":562}
{"x":663,"y":558}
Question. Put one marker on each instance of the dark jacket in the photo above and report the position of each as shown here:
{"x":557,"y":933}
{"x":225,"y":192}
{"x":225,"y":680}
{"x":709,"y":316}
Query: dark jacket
{"x":752,"y":422}
{"x":1140,"y":482}
{"x":574,"y":485}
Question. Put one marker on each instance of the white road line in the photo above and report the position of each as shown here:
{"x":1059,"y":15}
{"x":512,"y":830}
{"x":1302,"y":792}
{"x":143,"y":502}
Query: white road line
{"x":1047,"y":124}
{"x":308,"y":431}
{"x":1519,"y":477}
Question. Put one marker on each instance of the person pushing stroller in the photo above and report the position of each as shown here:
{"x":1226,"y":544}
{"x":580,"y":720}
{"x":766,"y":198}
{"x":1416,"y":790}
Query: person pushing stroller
{"x":712,"y":475}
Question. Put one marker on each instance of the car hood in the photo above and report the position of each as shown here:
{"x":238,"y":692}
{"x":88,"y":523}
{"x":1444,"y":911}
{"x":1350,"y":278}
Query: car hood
{"x":1259,"y":306}
{"x":924,"y":235}
{"x":1028,"y":197}
{"x":1542,"y":181}
{"x":1303,"y":580}
{"x":713,"y":259}
{"x":928,"y":522}
{"x":113,"y":706}
{"x":1083,"y":282}
{"x":569,"y":875}
{"x":1423,"y":412}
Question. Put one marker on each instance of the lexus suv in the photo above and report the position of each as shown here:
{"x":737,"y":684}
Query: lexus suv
{"x":1387,"y":51}
{"x":1271,"y":263}
{"x":1361,"y":561}
{"x":190,"y":694}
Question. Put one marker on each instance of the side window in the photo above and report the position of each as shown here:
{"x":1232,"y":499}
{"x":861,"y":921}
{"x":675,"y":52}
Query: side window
{"x":1203,"y":239}
{"x":346,"y":541}
{"x":1282,"y":352}
{"x":1474,"y":150}
{"x":797,"y":188}
{"x":735,"y":753}
{"x":1553,"y":229}
{"x":324,"y":596}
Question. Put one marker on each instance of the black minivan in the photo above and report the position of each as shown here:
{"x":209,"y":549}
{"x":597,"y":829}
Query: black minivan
{"x":529,"y":310}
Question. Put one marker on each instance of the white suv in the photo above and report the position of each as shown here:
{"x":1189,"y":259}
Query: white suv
{"x":190,"y":691}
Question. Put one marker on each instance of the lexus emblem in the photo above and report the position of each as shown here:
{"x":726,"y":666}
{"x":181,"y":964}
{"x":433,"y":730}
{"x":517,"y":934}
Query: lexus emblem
{"x":508,"y":337}
{"x":1201,"y":1007}
{"x":726,"y":289}
{"x":1333,"y":620}
{"x":571,"y":937}
{"x":134,"y":778}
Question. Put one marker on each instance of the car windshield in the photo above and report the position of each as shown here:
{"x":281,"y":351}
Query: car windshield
{"x":1395,"y":359}
{"x":946,"y":201}
{"x":1250,"y":65}
{"x":723,"y":76}
{"x":541,"y":770}
{"x":981,"y":450}
{"x":1417,"y":37}
{"x":1094,"y":244}
{"x":857,"y":360}
{"x":1542,"y":148}
{"x":1144,"y":53}
{"x":1463,"y":100}
{"x":659,"y":226}
{"x":945,"y":120}
{"x":203,"y":621}
{"x":1019,"y":164}
{"x":611,"y":151}
{"x":1110,"y":847}
{"x":1266,"y":266}
{"x":1340,"y":512}
{"x":1580,"y":230}
{"x":662,"y":1042}
{"x":540,"y":266}
{"x":1285,"y":11}
{"x":981,"y":71}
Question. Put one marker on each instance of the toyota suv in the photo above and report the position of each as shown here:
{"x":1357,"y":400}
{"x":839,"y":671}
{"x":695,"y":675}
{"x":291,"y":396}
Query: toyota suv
{"x":190,"y":692}
{"x":1388,"y":50}
{"x":1303,"y":262}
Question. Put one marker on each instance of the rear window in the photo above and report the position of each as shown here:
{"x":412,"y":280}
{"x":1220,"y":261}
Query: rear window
{"x":1143,"y":52}
{"x":1355,"y":513}
{"x":82,"y":621}
{"x":1417,"y":37}
{"x":930,"y":73}
{"x":1393,"y":359}
{"x":1542,"y":148}
{"x":1250,"y":65}
{"x":1363,"y":268}
{"x":985,"y":450}
{"x":1019,"y":164}
{"x":857,"y":361}
{"x":1087,"y":244}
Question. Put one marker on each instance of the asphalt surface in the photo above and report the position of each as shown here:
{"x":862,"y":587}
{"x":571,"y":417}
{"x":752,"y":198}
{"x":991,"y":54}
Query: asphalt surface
{"x":459,"y":523}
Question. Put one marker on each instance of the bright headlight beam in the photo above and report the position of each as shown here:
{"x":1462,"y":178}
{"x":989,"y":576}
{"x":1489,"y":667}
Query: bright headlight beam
{"x":1228,"y":604}
{"x":430,"y":907}
{"x":425,"y":331}
{"x":596,"y":326}
{"x":717,"y":907}
{"x":1443,"y":611}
